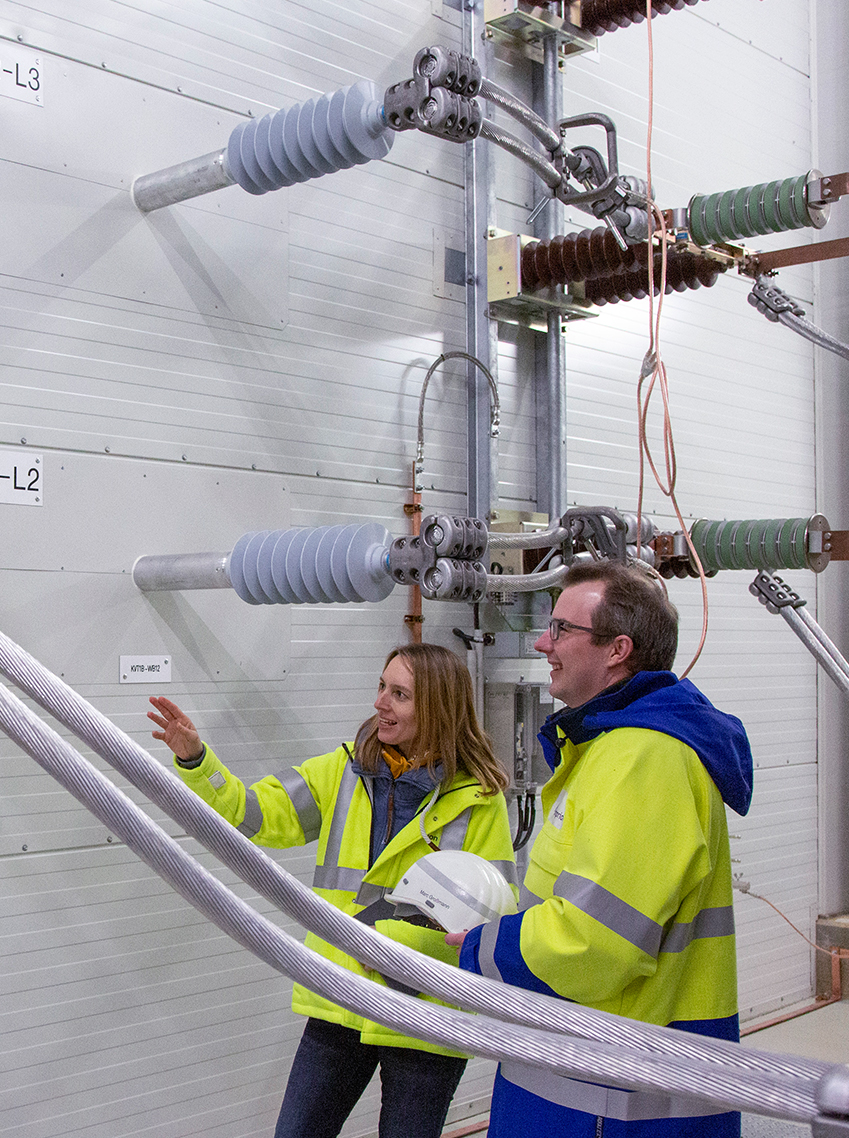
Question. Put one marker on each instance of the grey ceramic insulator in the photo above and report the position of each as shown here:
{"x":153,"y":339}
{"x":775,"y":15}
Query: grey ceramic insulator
{"x":334,"y":132}
{"x":312,"y":566}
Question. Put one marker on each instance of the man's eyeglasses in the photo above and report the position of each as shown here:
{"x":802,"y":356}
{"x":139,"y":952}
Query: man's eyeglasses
{"x":556,"y":626}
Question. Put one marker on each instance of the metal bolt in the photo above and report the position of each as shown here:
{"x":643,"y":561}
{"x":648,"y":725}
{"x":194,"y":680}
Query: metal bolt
{"x":24,"y":847}
{"x":23,"y":441}
{"x":107,"y":450}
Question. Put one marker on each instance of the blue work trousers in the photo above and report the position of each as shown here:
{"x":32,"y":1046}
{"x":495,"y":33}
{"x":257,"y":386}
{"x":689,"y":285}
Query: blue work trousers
{"x":332,"y":1068}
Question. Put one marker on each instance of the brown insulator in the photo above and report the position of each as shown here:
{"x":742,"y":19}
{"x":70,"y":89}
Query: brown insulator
{"x":683,"y":271}
{"x":599,"y":16}
{"x":578,"y":257}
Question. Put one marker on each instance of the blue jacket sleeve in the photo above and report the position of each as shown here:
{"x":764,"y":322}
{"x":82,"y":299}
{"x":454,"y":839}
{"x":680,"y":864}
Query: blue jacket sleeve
{"x":493,"y":950}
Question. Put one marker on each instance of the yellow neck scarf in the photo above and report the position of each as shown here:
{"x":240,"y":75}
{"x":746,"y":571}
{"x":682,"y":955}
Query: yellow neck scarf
{"x":396,"y":762}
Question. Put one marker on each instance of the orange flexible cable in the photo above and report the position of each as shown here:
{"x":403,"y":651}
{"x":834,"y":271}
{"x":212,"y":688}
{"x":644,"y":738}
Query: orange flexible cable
{"x":654,"y":367}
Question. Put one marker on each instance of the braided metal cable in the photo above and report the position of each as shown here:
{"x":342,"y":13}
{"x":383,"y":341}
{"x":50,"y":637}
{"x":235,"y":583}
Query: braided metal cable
{"x":514,"y":107}
{"x":271,"y":881}
{"x":816,"y":335}
{"x":535,"y":539}
{"x":708,"y":1085}
{"x":495,"y":410}
{"x":542,"y":167}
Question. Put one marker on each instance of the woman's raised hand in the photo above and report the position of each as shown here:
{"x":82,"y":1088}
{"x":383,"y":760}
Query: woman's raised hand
{"x":178,"y":732}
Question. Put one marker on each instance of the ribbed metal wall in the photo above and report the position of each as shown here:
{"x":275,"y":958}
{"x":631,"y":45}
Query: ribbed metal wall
{"x":240,"y":363}
{"x":732,"y":107}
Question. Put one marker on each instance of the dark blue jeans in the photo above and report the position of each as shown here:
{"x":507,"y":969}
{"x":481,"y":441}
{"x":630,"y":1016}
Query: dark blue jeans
{"x":332,"y":1068}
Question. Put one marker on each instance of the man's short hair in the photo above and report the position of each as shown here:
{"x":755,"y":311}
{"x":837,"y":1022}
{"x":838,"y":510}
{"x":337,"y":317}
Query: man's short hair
{"x":634,"y":604}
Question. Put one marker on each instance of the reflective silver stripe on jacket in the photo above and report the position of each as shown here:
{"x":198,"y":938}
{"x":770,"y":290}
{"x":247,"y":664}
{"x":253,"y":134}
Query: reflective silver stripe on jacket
{"x":332,"y":875}
{"x":609,"y":1102}
{"x":454,"y":832}
{"x":251,"y":824}
{"x":338,"y":877}
{"x":486,"y":951}
{"x":527,"y":899}
{"x":610,"y":911}
{"x":306,"y":807}
{"x":708,"y":923}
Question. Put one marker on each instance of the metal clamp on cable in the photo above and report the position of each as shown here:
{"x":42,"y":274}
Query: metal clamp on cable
{"x":774,"y":593}
{"x":439,"y":99}
{"x":832,"y":1097}
{"x":599,"y":529}
{"x":443,"y":560}
{"x":772,"y":301}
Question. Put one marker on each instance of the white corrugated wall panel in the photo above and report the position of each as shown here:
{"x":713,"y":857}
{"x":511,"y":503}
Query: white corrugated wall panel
{"x":279,"y":344}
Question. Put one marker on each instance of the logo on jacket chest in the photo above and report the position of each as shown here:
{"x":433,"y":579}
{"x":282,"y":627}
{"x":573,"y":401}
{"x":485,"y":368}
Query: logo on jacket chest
{"x":557,"y":814}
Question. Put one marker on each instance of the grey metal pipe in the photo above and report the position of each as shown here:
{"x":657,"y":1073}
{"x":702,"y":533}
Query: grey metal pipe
{"x":542,"y":167}
{"x":178,"y":183}
{"x":514,"y":107}
{"x":550,"y":362}
{"x":157,"y":572}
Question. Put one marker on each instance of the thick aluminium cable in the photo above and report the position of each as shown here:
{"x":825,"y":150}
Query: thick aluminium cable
{"x":514,"y":107}
{"x":270,"y":880}
{"x":821,"y":636}
{"x":816,"y":335}
{"x":542,"y":167}
{"x":816,"y":648}
{"x":526,"y":582}
{"x":709,"y":1086}
{"x":535,"y":539}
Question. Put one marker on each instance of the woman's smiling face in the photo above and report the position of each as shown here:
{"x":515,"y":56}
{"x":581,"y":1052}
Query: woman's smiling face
{"x":395,"y":705}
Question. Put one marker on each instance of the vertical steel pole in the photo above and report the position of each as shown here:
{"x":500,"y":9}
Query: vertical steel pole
{"x":481,"y":332}
{"x":550,"y":362}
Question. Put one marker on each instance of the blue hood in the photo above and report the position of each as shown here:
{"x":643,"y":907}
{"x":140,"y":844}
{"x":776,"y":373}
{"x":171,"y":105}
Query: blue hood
{"x":660,"y":701}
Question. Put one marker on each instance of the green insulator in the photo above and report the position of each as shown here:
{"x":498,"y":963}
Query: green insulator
{"x":771,"y":543}
{"x":771,"y":207}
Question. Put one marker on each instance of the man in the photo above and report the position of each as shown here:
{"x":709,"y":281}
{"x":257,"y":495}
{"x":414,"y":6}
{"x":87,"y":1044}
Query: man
{"x":628,"y":904}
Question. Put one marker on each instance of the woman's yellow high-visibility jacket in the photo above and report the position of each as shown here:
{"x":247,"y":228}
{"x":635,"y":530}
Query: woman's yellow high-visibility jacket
{"x":326,"y":798}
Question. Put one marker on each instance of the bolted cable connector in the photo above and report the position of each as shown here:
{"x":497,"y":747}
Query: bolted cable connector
{"x":774,"y":593}
{"x":443,"y":560}
{"x":442,"y":67}
{"x":772,"y":301}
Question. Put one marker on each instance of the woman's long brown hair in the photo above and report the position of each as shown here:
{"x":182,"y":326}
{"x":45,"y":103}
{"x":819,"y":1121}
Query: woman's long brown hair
{"x":447,"y":728}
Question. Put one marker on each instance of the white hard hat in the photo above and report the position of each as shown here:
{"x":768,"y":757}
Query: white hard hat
{"x":457,"y":890}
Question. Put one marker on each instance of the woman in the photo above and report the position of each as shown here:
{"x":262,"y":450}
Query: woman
{"x":420,"y":776}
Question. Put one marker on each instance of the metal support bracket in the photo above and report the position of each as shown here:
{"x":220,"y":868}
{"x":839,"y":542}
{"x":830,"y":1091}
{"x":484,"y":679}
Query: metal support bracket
{"x":600,"y":529}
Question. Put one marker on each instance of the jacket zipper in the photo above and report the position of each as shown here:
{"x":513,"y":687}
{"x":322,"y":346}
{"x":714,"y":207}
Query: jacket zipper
{"x":390,"y":813}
